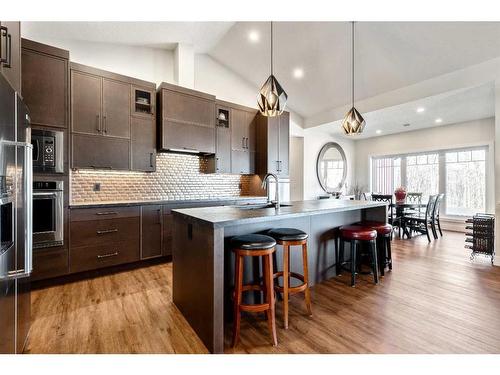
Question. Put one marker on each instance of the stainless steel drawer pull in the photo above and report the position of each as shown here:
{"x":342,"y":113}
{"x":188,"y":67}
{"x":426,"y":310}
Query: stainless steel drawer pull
{"x":107,"y":231}
{"x":108,"y":255}
{"x":106,"y":213}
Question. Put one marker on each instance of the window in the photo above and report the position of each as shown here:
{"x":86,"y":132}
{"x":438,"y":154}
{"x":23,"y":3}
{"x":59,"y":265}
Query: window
{"x":386,"y":174}
{"x":460,"y":174}
{"x":422,"y":174}
{"x":465,"y":182}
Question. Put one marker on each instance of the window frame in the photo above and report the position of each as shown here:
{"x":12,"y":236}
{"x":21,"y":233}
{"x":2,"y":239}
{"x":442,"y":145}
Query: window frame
{"x":441,"y":168}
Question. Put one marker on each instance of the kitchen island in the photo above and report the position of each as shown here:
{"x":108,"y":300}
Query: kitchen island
{"x":203,"y":262}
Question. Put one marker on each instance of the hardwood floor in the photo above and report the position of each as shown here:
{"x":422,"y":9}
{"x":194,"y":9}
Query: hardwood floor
{"x":434,"y":301}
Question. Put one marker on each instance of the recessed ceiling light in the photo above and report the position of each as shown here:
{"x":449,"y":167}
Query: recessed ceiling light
{"x":378,"y":131}
{"x":438,"y":120}
{"x":406,"y":125}
{"x":253,"y":36}
{"x":298,"y":73}
{"x":420,"y":109}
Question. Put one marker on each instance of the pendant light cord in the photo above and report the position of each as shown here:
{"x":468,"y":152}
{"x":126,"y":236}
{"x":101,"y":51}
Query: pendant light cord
{"x":352,"y":58}
{"x":271,"y":47}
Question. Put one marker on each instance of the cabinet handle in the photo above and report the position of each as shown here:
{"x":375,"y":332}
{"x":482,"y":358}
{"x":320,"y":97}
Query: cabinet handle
{"x":107,"y":231}
{"x":243,"y":142}
{"x":3,"y":30}
{"x":277,"y":165}
{"x":105,"y":125}
{"x":98,"y":125}
{"x":160,"y":217}
{"x":108,"y":255}
{"x":216,"y":164}
{"x":106,"y":213}
{"x":151,"y":160}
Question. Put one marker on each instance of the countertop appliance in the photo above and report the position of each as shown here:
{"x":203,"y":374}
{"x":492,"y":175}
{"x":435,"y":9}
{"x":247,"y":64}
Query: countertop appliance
{"x":15,"y":220}
{"x":48,"y":151}
{"x":48,"y":211}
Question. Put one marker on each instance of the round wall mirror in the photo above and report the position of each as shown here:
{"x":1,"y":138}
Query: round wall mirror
{"x":331,"y":167}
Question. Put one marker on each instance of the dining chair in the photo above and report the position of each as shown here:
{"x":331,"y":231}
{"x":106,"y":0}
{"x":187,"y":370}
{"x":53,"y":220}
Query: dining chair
{"x":422,"y":222}
{"x":435,"y":215}
{"x":388,"y":198}
{"x":414,"y":198}
{"x":367,"y":196}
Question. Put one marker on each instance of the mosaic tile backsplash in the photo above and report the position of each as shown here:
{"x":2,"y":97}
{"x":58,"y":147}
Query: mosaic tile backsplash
{"x":177,"y":177}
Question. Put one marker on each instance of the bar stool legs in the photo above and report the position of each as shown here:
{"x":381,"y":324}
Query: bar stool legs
{"x":307,"y":292}
{"x":238,"y":290}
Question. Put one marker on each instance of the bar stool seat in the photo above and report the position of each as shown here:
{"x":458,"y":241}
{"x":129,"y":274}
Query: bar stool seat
{"x":253,"y":242}
{"x":357,"y":232}
{"x":381,"y":228}
{"x":288,"y":237}
{"x":288,"y":234}
{"x":254,"y":245}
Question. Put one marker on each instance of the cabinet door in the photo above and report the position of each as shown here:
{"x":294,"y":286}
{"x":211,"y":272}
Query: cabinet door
{"x":223,"y":152}
{"x":284,"y":143}
{"x":251,"y":126}
{"x":273,"y":131}
{"x":100,"y":152}
{"x":143,"y":144}
{"x":239,"y":129}
{"x":189,"y":109}
{"x":45,"y":88}
{"x":85,"y":103}
{"x":151,"y":231}
{"x":168,"y":223}
{"x":189,"y":137}
{"x":115,"y":108}
{"x":12,"y":69}
{"x":242,"y":162}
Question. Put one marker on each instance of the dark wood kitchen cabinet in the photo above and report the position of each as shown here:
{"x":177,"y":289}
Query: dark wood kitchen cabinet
{"x":273,"y":137}
{"x":151,"y":233}
{"x":168,"y":223}
{"x":108,"y":129}
{"x":10,"y":53}
{"x":143,"y":144}
{"x":186,"y":120}
{"x":243,"y":122}
{"x":45,"y":83}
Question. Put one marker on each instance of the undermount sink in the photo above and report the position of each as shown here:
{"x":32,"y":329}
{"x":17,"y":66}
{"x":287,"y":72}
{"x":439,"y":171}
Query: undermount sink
{"x":261,"y":206}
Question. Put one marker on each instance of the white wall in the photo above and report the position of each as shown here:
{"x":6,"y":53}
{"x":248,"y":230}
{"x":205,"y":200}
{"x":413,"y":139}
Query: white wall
{"x":465,"y":134}
{"x":314,"y":139}
{"x":296,"y":168}
{"x":149,"y":64}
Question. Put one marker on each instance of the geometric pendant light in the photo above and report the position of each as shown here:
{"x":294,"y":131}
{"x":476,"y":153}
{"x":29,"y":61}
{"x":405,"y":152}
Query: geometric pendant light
{"x":272,"y":98}
{"x":353,"y":123}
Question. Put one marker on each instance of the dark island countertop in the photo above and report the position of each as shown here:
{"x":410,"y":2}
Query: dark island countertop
{"x":235,"y":215}
{"x":224,"y":200}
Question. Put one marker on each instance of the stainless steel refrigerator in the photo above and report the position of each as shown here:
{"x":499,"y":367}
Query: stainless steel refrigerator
{"x":15,"y":220}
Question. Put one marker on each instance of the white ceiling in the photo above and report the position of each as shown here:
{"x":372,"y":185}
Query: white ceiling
{"x":389,"y":55}
{"x":202,"y":35}
{"x":452,"y":107}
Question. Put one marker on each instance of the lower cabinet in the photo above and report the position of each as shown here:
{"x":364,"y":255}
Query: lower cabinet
{"x":168,"y":222}
{"x":151,"y":232}
{"x":49,"y":263}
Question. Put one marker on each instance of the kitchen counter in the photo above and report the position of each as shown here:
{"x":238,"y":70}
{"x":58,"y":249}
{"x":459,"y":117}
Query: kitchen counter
{"x":203,"y":263}
{"x":230,"y":200}
{"x":232,"y":215}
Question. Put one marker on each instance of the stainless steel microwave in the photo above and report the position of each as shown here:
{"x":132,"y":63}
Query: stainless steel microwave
{"x":48,"y":151}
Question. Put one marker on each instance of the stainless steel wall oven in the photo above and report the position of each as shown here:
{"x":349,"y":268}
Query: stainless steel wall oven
{"x":48,"y":213}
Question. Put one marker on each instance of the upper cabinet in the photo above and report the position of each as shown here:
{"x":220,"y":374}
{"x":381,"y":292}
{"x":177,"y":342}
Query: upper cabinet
{"x":45,"y":77}
{"x":273,"y":137}
{"x":186,"y":120}
{"x":243,"y":142}
{"x":10,"y":53}
{"x":108,"y":130}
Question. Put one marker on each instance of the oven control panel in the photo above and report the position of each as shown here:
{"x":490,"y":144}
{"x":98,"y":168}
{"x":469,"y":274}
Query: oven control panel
{"x":48,"y":151}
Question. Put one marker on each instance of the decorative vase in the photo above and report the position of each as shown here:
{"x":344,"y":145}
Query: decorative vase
{"x":400,"y":194}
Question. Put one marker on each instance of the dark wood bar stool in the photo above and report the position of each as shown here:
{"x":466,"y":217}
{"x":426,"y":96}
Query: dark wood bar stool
{"x":254,"y":245}
{"x":356,"y":235}
{"x":384,"y":234}
{"x":292,"y":237}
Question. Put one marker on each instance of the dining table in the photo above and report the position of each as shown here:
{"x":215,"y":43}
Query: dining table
{"x":400,"y":208}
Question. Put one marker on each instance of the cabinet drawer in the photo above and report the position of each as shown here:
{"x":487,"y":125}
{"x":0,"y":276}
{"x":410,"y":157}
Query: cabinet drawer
{"x":90,"y":233}
{"x":48,"y":263}
{"x":92,"y":257}
{"x":89,"y":214}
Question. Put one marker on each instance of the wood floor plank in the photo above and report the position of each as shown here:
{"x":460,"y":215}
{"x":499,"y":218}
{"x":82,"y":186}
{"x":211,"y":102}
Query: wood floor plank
{"x":434,"y":301}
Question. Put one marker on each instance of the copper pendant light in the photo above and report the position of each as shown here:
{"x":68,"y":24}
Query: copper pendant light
{"x":353,"y":123}
{"x":272,"y":98}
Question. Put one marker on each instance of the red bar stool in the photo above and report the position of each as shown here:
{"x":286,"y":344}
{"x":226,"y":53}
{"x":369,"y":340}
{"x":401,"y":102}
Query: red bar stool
{"x":288,"y":237}
{"x":254,"y":245}
{"x":384,"y":232}
{"x":356,"y":235}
